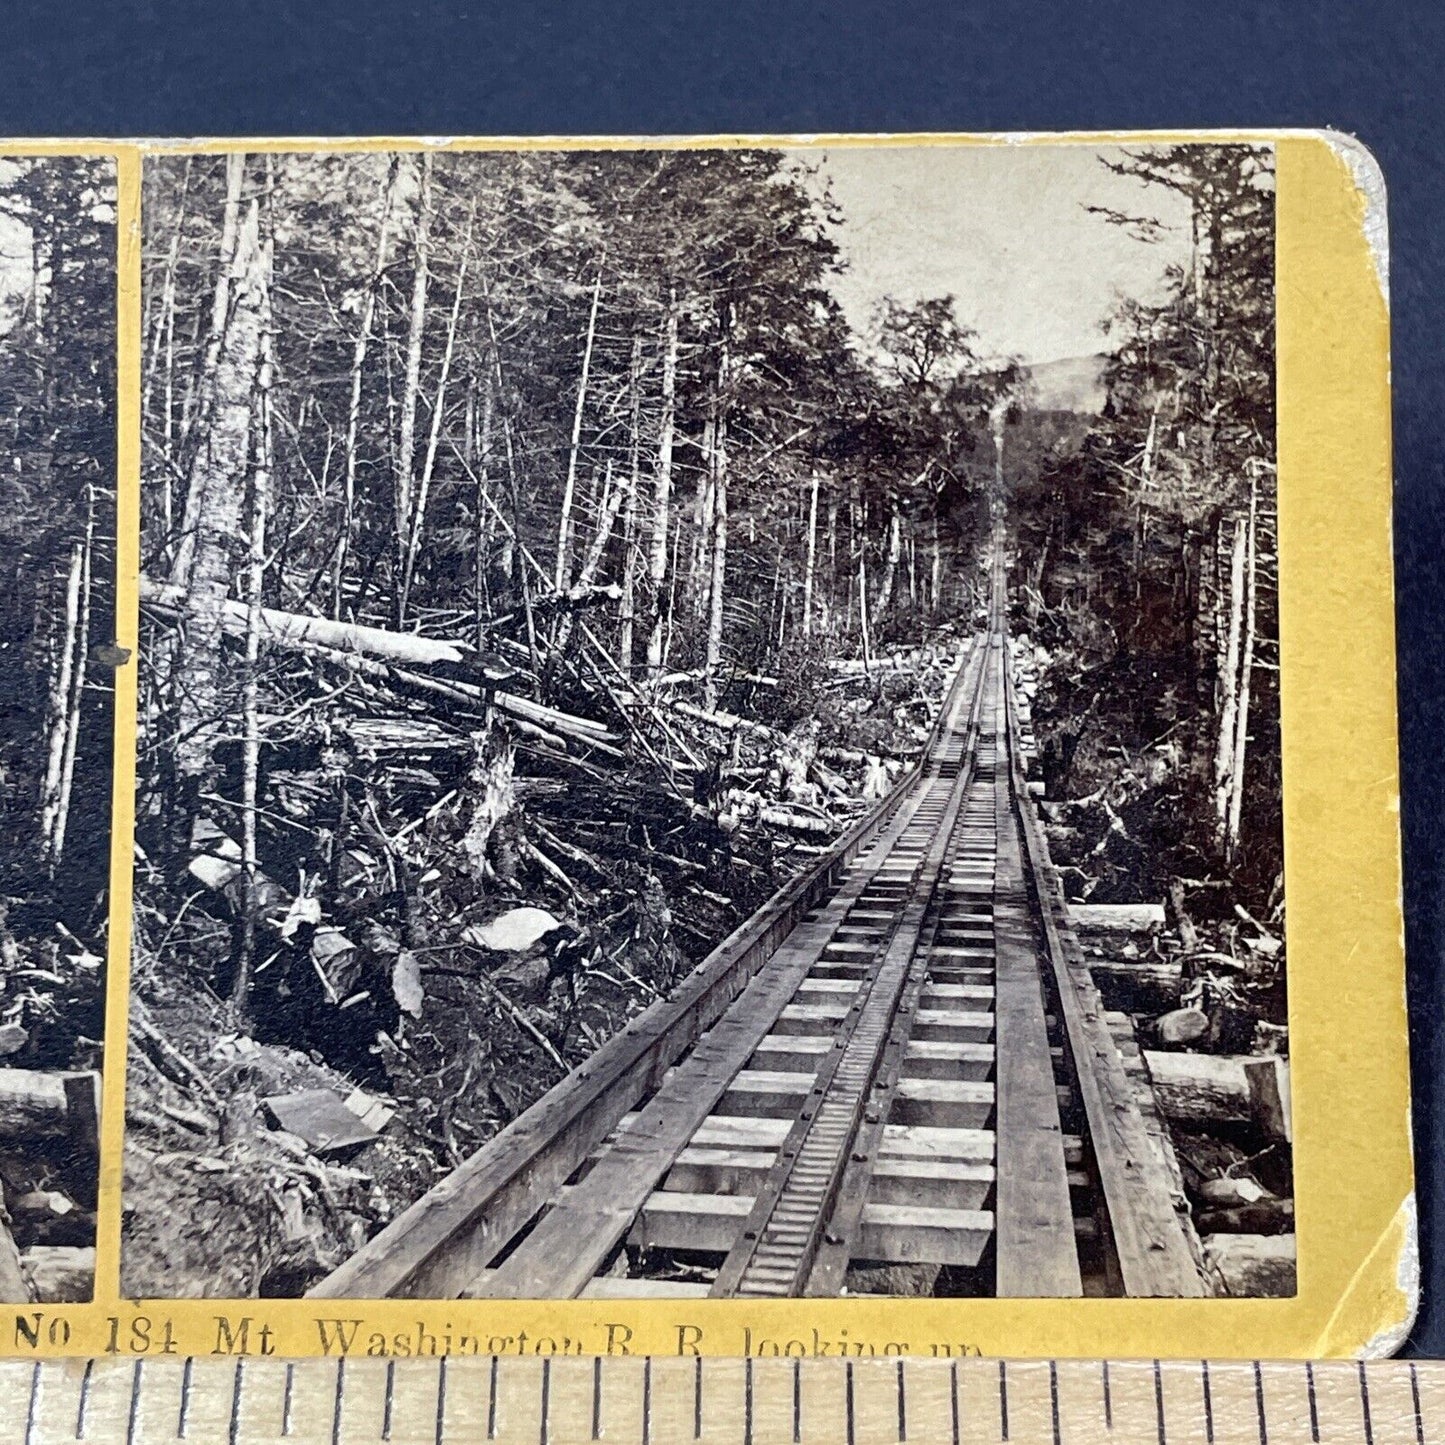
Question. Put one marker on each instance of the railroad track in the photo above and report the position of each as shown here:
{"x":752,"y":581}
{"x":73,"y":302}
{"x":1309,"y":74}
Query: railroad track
{"x":896,"y":1077}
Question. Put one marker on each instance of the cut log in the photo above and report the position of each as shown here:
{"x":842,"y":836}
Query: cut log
{"x":1148,"y":985}
{"x":1200,"y":1088}
{"x":1116,"y":917}
{"x":60,"y":1275}
{"x":396,"y":649}
{"x":1269,"y":1101}
{"x":32,"y":1104}
{"x":1252,"y":1266}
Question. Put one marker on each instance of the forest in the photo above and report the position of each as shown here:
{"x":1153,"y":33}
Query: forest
{"x":538,"y":568}
{"x":527,"y":540}
{"x":57,"y":661}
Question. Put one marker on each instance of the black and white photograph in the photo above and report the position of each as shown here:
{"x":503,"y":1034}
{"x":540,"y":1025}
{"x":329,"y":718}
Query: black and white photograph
{"x":708,"y":723}
{"x":58,"y":657}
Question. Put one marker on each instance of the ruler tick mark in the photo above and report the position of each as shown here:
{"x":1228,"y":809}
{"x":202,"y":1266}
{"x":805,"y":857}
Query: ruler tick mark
{"x":133,"y":1413}
{"x":748,"y":1401}
{"x":1415,"y":1400}
{"x":1108,"y":1400}
{"x":697,"y":1399}
{"x":1259,"y":1404}
{"x":547,"y":1401}
{"x":1003,"y":1399}
{"x":1159,"y":1401}
{"x":336,"y":1402}
{"x":1208,"y":1402}
{"x":233,"y":1432}
{"x":848,"y":1398}
{"x":183,"y":1419}
{"x":1314,"y":1405}
{"x":386,"y":1404}
{"x":902,"y":1406}
{"x":30,"y":1413}
{"x":1054,"y":1400}
{"x":797,"y":1402}
{"x":647,"y":1401}
{"x":953,"y":1400}
{"x":597,"y":1398}
{"x":1365,"y":1405}
{"x":442,"y":1396}
{"x":492,"y":1401}
{"x":84,"y":1400}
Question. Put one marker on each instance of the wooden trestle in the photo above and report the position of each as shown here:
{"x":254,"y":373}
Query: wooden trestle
{"x":900,"y":1060}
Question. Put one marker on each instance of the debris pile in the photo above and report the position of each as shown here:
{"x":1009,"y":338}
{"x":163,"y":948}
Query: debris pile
{"x":51,"y":1019}
{"x":457,"y":899}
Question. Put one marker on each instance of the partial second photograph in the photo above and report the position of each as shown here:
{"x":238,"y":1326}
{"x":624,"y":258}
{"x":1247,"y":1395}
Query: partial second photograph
{"x":58,"y":661}
{"x":708,"y":723}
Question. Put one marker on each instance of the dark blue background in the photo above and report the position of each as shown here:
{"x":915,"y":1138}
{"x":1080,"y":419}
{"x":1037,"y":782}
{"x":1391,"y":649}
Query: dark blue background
{"x":321,"y":67}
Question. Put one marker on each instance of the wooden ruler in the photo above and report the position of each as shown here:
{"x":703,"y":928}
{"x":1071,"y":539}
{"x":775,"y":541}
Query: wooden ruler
{"x":741,"y":1402}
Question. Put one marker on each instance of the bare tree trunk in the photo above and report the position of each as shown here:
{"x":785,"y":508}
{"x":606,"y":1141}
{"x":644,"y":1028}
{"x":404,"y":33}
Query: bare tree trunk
{"x":561,"y":576}
{"x":935,"y":572}
{"x":662,"y":491}
{"x":218,"y":480}
{"x":700,"y":552}
{"x":423,"y":491}
{"x":1246,"y":668}
{"x":77,"y":689}
{"x":60,"y":690}
{"x":255,"y":584}
{"x":358,"y":365}
{"x":220,"y":316}
{"x":718,"y":572}
{"x":628,"y":607}
{"x":483,"y":517}
{"x":863,"y":609}
{"x":411,"y":386}
{"x":163,"y":333}
{"x":1228,"y":683}
{"x":890,"y":565}
{"x":811,"y":554}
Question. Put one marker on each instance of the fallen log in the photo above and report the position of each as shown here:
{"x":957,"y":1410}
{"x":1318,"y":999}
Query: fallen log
{"x":1132,"y":985}
{"x":60,"y":1274}
{"x":1200,"y":1088}
{"x":397,"y":650}
{"x":32,"y":1104}
{"x":1252,"y":1266}
{"x":1116,"y":917}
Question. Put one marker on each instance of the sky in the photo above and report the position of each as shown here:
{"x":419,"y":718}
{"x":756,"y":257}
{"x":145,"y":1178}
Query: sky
{"x":1005,"y":230}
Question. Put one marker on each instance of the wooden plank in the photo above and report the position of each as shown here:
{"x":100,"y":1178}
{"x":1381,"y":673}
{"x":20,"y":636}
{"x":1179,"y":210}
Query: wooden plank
{"x":912,"y":1234}
{"x":891,"y":1233}
{"x":936,"y":1183}
{"x":947,"y":1059}
{"x":798,"y":1052}
{"x":1036,"y":1254}
{"x":943,"y":1103}
{"x":953,"y":995}
{"x":621,"y":1288}
{"x":704,"y":1170}
{"x":775,"y":1093}
{"x":955,"y":1024}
